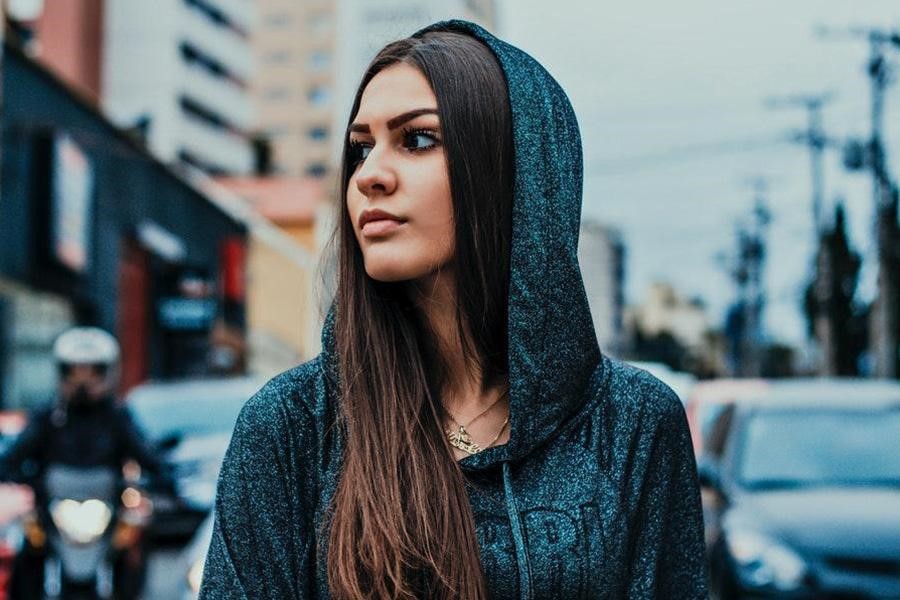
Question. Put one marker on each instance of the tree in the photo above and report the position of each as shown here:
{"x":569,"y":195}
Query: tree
{"x":834,"y":318}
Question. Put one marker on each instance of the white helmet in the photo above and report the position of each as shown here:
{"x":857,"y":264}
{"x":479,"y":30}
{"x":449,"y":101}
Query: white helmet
{"x":86,"y":345}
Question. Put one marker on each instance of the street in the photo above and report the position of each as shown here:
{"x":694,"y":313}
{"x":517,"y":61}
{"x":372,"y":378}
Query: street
{"x":164,"y":574}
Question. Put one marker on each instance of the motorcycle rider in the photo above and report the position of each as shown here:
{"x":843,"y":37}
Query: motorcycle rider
{"x":84,"y":427}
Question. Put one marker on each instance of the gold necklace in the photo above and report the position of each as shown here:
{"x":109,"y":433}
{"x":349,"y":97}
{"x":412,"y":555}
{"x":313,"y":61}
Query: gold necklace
{"x":462,"y":439}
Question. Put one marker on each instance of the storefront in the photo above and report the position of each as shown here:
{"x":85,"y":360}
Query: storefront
{"x":105,"y":235}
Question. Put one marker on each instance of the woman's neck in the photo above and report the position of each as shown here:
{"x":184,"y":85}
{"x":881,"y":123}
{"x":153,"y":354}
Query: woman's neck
{"x":435,"y":297}
{"x":482,"y":412}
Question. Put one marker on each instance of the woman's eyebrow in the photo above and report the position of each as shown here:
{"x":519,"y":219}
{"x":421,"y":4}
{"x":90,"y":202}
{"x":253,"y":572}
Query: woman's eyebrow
{"x":397,"y":121}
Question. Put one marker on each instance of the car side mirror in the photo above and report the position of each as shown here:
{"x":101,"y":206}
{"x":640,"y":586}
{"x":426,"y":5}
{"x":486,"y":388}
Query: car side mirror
{"x":709,"y":474}
{"x":168,"y":442}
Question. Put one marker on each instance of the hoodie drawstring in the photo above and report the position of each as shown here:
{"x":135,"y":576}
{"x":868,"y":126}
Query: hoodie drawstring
{"x":518,"y":534}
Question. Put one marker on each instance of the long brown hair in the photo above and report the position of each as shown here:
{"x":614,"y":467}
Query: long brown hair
{"x":401,"y":525}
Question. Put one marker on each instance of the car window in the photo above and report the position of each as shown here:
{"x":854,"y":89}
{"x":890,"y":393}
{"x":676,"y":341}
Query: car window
{"x":196,"y":412}
{"x":821,"y":447}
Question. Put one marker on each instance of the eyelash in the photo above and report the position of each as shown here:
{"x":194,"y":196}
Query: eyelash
{"x":411,"y":132}
{"x":356,"y":148}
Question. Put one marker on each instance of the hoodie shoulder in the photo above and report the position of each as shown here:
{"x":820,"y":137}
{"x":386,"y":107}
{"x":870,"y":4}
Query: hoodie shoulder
{"x":298,"y":391}
{"x":633,"y":392}
{"x":266,"y":494}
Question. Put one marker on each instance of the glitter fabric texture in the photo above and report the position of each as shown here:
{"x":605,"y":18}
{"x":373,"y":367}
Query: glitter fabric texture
{"x":594,"y":496}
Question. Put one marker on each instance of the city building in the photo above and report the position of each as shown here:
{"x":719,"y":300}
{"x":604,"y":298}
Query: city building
{"x":310,"y":55}
{"x":664,"y":310}
{"x":97,"y":231}
{"x":241,"y":295}
{"x":68,"y":38}
{"x":668,"y":328}
{"x":293,"y":89}
{"x":601,"y":254}
{"x":178,"y":72}
{"x":286,"y":300}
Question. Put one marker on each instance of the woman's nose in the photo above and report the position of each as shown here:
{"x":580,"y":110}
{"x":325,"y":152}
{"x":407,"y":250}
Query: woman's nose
{"x":375,"y":176}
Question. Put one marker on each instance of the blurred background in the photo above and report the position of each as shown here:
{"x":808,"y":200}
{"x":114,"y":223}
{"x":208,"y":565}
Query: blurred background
{"x":168,"y":173}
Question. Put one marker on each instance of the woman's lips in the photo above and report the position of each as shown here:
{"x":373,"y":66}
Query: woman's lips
{"x":380,"y":227}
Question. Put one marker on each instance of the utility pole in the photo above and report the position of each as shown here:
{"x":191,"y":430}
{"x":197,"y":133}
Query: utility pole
{"x":814,"y":138}
{"x":746,"y":268}
{"x":885,"y":324}
{"x":753,"y":255}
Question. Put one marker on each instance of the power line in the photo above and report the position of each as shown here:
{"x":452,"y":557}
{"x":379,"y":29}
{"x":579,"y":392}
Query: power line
{"x":631,"y":164}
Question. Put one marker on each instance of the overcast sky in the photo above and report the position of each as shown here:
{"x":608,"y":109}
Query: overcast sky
{"x":655,"y":84}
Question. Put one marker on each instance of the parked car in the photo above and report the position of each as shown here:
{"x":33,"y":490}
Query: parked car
{"x":708,"y":398}
{"x":191,"y":422}
{"x":806,"y":482}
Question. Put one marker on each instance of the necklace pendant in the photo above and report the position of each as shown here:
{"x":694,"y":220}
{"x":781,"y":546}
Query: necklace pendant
{"x":462,"y":440}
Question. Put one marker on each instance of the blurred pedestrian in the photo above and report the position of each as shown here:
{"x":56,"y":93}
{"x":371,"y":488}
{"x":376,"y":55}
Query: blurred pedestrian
{"x":460,"y":436}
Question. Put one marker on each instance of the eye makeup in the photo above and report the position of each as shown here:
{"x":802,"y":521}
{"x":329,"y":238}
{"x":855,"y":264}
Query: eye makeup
{"x":413,"y":135}
{"x":412,"y":139}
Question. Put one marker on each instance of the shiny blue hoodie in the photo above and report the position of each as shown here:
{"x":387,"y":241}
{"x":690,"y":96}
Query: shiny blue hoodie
{"x":594,"y":496}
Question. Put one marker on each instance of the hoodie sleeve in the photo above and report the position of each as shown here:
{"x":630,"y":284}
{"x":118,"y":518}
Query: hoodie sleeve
{"x":668,"y":558}
{"x":261,"y":542}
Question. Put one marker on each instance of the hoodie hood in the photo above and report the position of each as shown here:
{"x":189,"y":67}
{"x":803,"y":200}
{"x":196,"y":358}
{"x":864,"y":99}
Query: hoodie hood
{"x":595,"y":495}
{"x":553,"y":349}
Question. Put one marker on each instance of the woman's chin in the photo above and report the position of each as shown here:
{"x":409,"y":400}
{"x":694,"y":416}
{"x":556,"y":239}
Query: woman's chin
{"x":390,"y":273}
{"x":408,"y":265}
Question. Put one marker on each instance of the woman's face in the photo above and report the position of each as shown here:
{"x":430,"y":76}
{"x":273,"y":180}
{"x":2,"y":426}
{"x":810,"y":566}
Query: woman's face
{"x":398,"y":197}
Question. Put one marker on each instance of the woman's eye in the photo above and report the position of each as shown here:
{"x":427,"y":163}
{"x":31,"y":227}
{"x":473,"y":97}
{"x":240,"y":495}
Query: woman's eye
{"x":359,"y":152}
{"x":419,"y":140}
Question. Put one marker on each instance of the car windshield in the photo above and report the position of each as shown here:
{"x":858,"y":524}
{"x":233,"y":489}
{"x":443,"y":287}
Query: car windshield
{"x":195,"y":412}
{"x":821,"y":447}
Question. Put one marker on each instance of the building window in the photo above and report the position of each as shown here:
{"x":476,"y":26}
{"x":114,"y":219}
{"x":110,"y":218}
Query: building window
{"x":194,"y":57}
{"x":320,"y":24}
{"x":204,"y":114}
{"x":316,"y":170}
{"x":277,"y":94}
{"x":198,"y":163}
{"x":319,"y":61}
{"x":210,"y":11}
{"x":320,"y":96}
{"x":278,"y":132}
{"x":278,"y":57}
{"x":318,"y":133}
{"x":278,"y":20}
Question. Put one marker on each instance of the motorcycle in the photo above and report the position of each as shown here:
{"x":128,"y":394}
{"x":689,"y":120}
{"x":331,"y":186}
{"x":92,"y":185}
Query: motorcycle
{"x":85,"y":538}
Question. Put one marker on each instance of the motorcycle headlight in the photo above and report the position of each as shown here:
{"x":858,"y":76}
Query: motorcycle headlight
{"x":81,"y":522}
{"x":765,"y":562}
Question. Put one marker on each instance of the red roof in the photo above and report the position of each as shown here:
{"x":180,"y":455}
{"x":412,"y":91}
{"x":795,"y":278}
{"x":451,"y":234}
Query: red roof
{"x":282,"y":200}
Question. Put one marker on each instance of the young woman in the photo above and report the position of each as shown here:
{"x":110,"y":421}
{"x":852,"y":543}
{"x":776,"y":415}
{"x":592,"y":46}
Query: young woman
{"x":460,"y":436}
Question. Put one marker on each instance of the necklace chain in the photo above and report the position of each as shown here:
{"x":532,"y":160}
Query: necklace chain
{"x":479,"y":415}
{"x":462,"y":439}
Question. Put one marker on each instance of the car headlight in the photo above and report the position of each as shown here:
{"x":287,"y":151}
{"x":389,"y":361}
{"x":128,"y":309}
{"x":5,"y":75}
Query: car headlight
{"x":764,"y":561}
{"x":195,"y":574}
{"x":81,"y":522}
